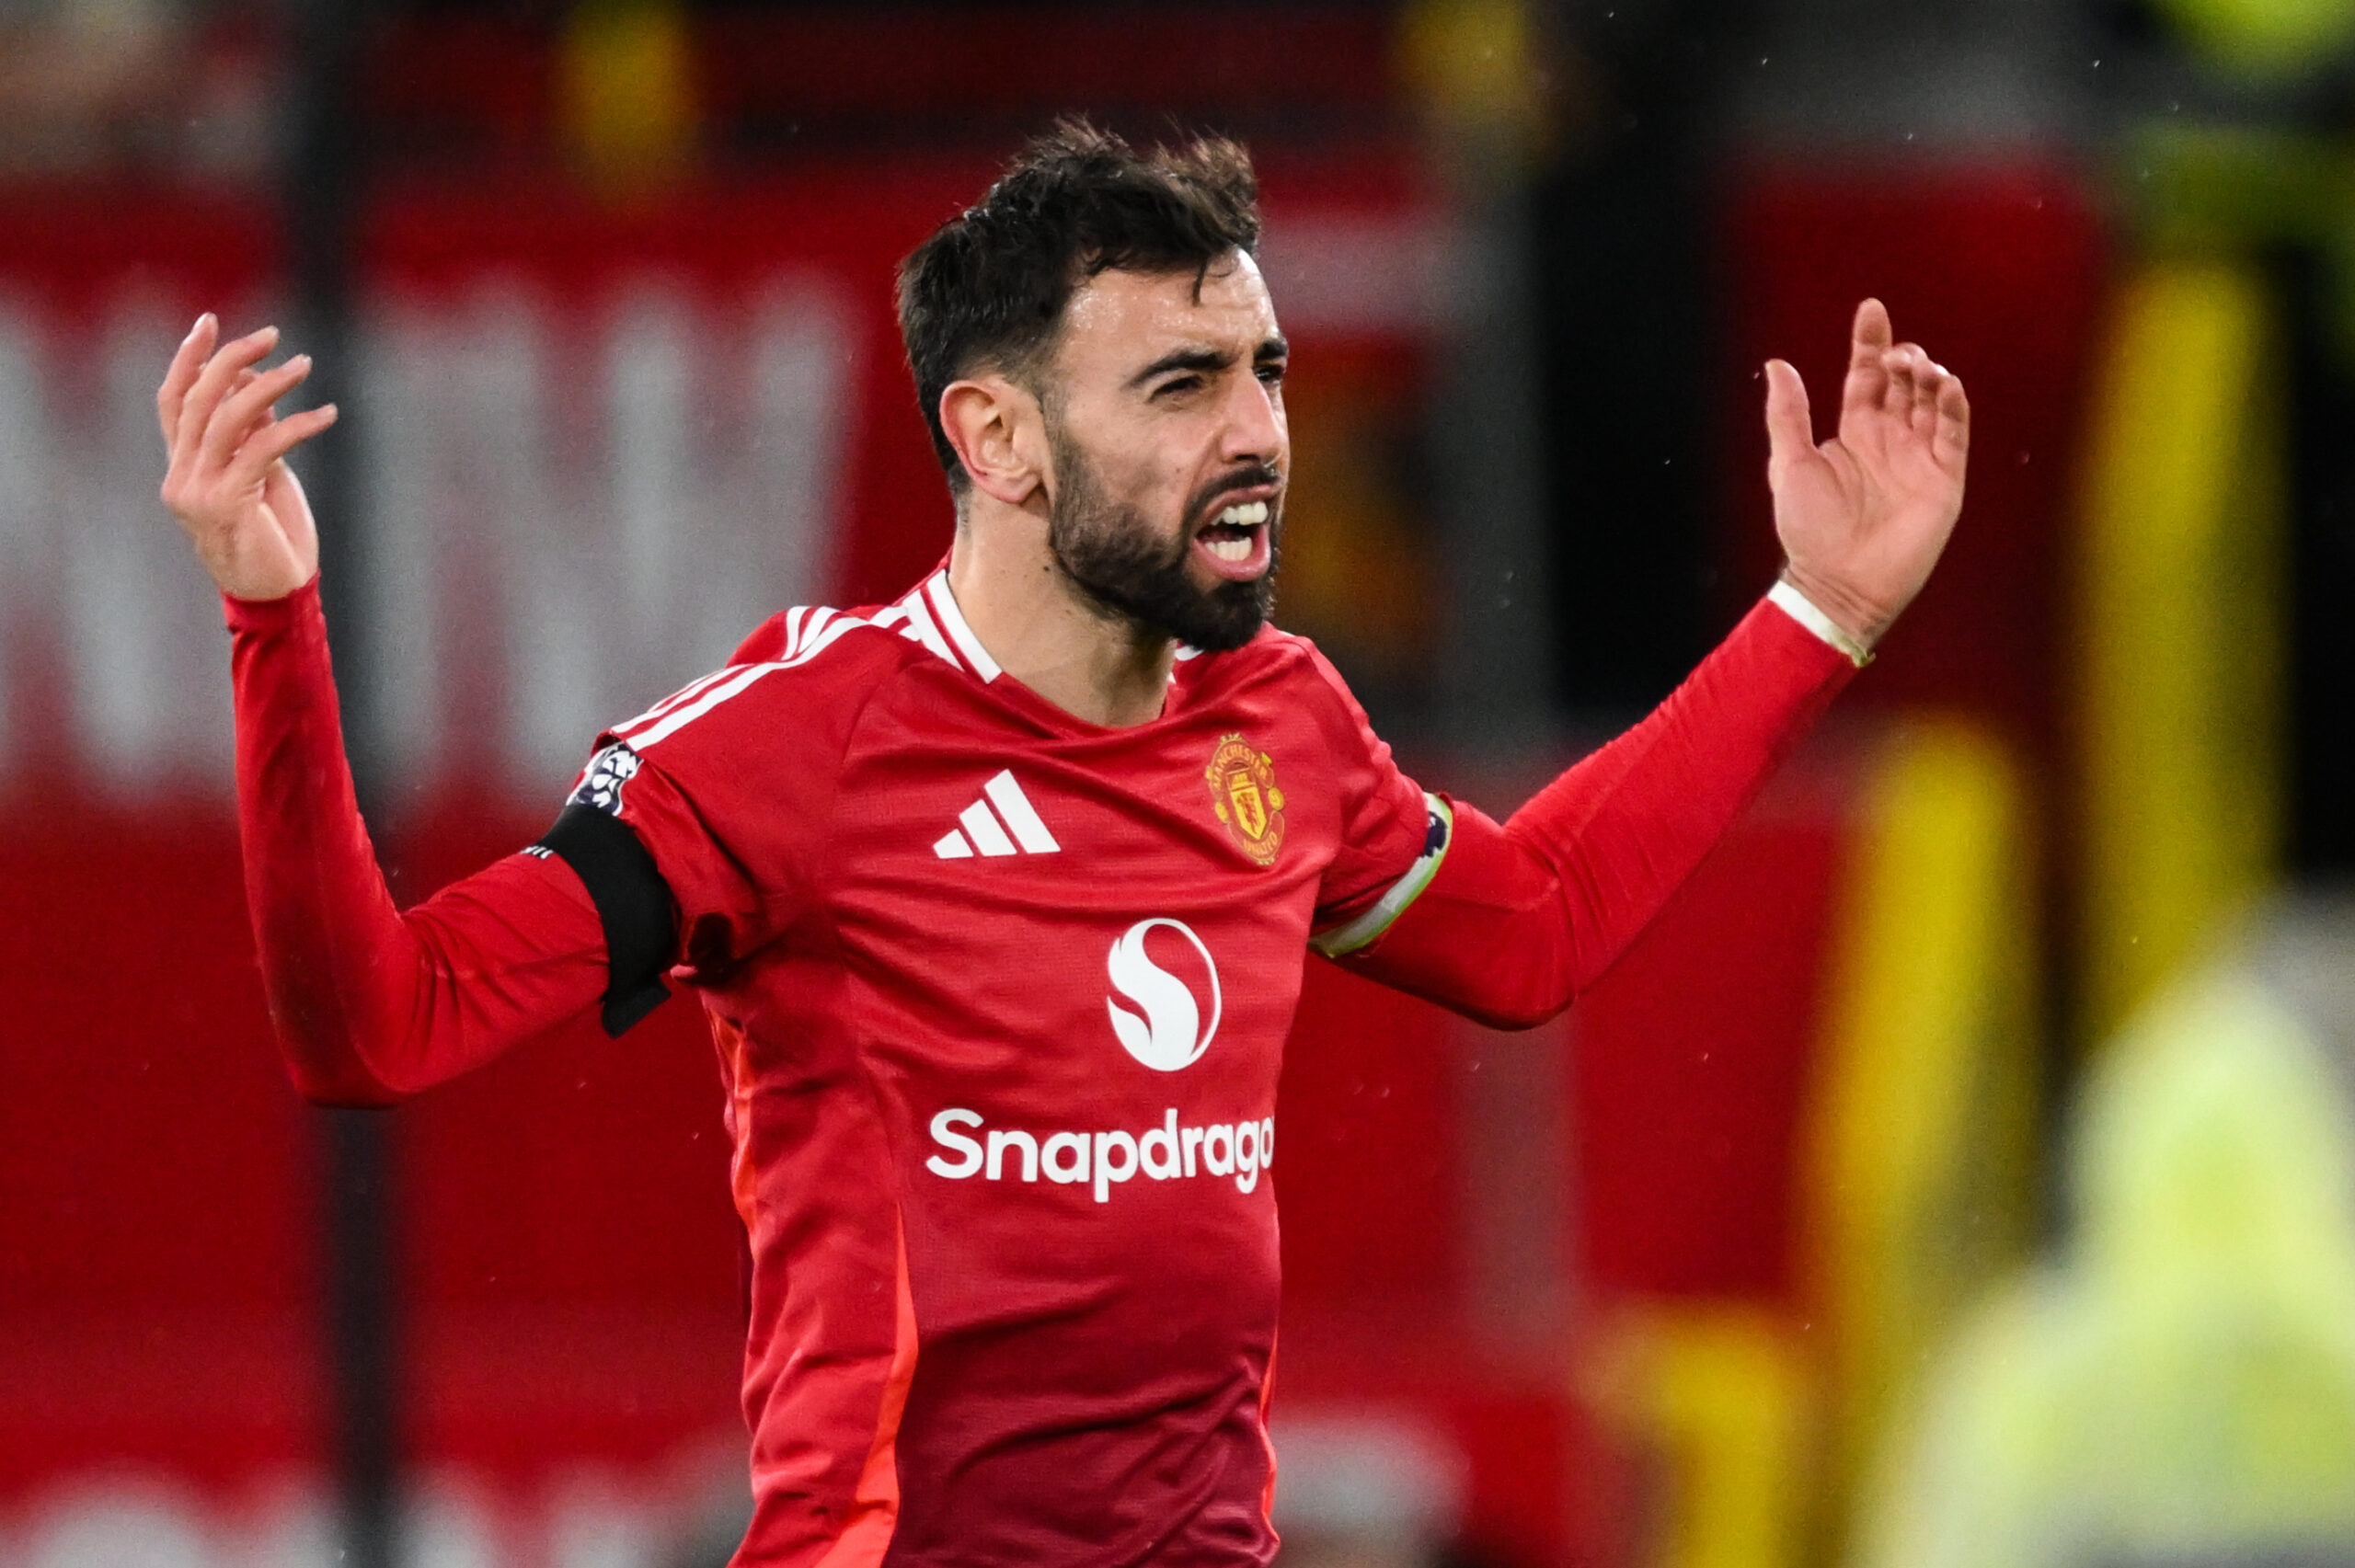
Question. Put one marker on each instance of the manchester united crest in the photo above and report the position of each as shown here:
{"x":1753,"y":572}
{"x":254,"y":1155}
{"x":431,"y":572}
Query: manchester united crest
{"x":1243,"y":794}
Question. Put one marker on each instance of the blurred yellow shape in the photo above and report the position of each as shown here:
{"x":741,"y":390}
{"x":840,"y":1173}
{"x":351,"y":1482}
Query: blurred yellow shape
{"x":2180,"y":611}
{"x":2182,"y":1387}
{"x":1357,"y":563}
{"x":1474,"y":65}
{"x":627,"y":92}
{"x":1916,"y":1161}
{"x":2267,"y":37}
{"x":1912,"y":1178}
{"x":1718,"y":1394}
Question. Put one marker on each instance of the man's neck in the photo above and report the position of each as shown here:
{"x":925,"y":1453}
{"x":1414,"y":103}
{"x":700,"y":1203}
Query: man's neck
{"x":1042,"y":631}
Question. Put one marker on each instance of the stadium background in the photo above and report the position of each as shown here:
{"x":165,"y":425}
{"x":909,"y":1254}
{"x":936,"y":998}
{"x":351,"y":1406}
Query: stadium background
{"x":1958,"y":1173}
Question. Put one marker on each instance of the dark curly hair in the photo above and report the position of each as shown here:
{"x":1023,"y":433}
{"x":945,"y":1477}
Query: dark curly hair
{"x":988,"y":290}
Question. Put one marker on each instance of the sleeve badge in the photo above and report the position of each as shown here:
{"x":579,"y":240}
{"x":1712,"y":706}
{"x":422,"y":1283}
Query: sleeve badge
{"x":601,"y":783}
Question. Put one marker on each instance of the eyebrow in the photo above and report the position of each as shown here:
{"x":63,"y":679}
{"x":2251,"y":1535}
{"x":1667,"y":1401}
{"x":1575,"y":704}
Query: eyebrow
{"x":1197,"y":358}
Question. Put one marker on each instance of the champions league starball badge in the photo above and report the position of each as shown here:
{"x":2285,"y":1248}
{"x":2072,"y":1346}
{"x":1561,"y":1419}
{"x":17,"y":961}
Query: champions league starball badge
{"x":601,"y":786}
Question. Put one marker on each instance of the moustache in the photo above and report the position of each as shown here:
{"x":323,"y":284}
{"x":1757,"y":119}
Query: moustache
{"x":1205,"y":506}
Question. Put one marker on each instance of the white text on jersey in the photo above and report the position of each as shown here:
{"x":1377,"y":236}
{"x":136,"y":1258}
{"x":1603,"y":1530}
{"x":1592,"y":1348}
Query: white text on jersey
{"x":1239,"y":1149}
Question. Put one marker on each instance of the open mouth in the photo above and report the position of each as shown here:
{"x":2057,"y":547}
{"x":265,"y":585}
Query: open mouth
{"x":1236,"y":539}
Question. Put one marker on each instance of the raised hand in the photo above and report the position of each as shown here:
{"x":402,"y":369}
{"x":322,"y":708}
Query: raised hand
{"x":1863,"y":516}
{"x":229,"y":482}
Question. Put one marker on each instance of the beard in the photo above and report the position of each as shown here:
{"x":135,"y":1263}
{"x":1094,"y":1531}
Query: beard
{"x":1107,"y":550}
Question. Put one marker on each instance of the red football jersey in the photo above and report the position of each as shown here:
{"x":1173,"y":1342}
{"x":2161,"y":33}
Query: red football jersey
{"x":1000,"y":998}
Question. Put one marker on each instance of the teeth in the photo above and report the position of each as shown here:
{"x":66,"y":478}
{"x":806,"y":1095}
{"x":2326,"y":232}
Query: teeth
{"x":1248,"y":515}
{"x":1230,"y":549}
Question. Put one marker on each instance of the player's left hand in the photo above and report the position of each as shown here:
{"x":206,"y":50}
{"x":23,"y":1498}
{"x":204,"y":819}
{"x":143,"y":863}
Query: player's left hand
{"x":1863,"y":516}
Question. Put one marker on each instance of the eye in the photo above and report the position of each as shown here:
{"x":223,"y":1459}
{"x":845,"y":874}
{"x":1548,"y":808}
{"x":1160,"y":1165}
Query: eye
{"x":1177,"y":384}
{"x":1271,"y":374}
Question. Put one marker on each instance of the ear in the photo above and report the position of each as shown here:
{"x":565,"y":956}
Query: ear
{"x":1000,"y":435}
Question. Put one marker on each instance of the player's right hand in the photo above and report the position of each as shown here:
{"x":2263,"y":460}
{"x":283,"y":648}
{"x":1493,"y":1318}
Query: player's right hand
{"x":229,"y":482}
{"x":1864,"y":516}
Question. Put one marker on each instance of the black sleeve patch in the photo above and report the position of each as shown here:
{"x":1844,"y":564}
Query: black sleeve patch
{"x":634,"y":904}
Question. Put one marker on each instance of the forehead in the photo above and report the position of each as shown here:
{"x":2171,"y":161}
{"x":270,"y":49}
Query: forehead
{"x":1120,"y":317}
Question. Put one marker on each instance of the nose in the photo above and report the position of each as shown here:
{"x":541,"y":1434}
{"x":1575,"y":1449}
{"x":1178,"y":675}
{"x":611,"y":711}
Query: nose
{"x":1255,"y":424}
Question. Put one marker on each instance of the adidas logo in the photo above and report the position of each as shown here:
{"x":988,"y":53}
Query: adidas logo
{"x":982,"y":830}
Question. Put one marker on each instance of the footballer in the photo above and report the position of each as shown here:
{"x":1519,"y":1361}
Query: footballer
{"x":996,"y":896}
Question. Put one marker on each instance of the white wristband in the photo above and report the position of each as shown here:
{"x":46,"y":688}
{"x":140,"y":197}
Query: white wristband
{"x":1802,"y":609}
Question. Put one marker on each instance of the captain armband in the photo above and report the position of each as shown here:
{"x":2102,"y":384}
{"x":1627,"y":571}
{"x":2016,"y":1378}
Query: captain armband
{"x":1368,"y":927}
{"x":634,"y":904}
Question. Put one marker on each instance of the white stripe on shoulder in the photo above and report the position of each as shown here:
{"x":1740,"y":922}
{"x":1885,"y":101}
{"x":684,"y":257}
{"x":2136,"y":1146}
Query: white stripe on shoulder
{"x":794,"y":627}
{"x":685,"y":693}
{"x":952,"y":621}
{"x":818,"y":643}
{"x":928,"y":616}
{"x":920,"y":627}
{"x":813,"y":628}
{"x":743,"y":675}
{"x":822,"y":630}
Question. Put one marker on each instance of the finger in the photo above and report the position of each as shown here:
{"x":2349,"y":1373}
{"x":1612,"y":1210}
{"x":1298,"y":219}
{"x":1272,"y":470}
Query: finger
{"x":186,"y":360}
{"x":268,"y":446}
{"x":213,"y":382}
{"x":1926,"y":406}
{"x":186,"y":459}
{"x":1927,"y":373}
{"x":1951,"y":445}
{"x":1790,"y":429}
{"x":245,"y":378}
{"x":1903,"y":365}
{"x":241,"y":409}
{"x":222,"y":374}
{"x":1868,"y":341}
